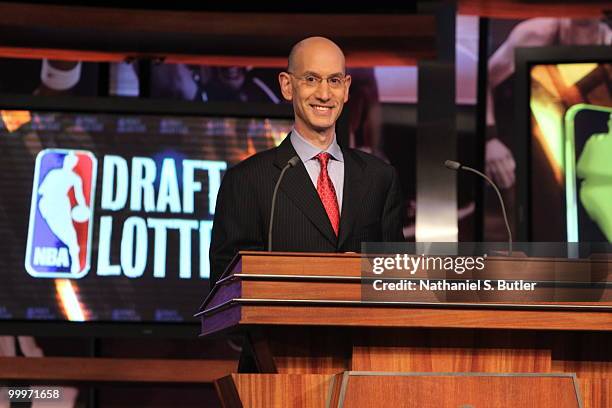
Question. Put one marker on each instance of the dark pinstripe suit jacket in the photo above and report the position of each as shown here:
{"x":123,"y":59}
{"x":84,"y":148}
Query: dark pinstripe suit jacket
{"x":372,"y":207}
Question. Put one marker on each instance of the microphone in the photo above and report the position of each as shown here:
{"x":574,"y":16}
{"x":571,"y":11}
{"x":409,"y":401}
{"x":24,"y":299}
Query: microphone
{"x":454,"y":165}
{"x":291,"y":163}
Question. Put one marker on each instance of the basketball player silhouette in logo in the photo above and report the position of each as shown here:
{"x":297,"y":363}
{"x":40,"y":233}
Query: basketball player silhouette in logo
{"x":56,"y":209}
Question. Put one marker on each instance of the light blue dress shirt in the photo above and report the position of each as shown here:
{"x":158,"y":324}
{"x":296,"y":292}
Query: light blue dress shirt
{"x":335,"y":167}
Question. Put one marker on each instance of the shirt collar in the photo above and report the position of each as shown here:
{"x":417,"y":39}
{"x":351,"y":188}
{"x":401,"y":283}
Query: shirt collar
{"x":306,"y":150}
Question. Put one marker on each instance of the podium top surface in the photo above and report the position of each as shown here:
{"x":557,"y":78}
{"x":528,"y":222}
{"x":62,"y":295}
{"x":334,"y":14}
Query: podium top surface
{"x":293,"y":288}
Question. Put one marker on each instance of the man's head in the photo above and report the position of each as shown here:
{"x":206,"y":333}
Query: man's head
{"x":317,"y":84}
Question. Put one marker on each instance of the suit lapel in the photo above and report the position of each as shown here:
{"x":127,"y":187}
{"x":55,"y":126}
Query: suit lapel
{"x":355,"y":185}
{"x":298,"y":186}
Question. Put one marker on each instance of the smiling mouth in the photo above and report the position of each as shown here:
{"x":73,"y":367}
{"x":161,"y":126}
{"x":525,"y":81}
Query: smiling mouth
{"x":321,"y":108}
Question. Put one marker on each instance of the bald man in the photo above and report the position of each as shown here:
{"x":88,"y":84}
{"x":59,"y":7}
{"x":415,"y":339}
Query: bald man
{"x":334,"y":199}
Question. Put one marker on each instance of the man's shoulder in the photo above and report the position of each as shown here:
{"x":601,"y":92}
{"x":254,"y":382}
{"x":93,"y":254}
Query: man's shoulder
{"x":258,"y":161}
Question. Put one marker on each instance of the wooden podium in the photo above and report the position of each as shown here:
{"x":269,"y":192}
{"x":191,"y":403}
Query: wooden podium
{"x":314,"y":343}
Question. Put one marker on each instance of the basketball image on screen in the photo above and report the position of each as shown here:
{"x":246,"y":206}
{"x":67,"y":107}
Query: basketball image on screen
{"x":589,"y":172}
{"x":570,"y":106}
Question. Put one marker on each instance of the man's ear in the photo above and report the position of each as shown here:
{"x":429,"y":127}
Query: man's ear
{"x":347,"y":84}
{"x":284,"y":79}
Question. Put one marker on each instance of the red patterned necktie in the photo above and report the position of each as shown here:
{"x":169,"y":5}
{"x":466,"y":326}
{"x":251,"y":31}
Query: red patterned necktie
{"x":327,"y":192}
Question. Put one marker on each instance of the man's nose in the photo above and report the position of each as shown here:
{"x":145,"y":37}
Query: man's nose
{"x":323,"y":91}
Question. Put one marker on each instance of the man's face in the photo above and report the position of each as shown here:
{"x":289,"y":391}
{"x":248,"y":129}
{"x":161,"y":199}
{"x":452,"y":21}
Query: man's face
{"x":317,"y":86}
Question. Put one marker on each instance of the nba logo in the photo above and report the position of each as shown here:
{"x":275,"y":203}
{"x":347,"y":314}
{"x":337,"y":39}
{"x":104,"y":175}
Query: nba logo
{"x":61,"y":214}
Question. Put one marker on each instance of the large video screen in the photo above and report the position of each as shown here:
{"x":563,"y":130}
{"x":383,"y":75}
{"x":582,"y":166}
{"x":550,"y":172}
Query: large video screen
{"x":107,"y":217}
{"x":571,"y":146}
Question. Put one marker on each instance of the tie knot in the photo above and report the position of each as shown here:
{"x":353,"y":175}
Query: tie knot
{"x":323,"y":159}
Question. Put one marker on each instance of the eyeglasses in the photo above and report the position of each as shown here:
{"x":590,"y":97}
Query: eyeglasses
{"x":313,"y":80}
